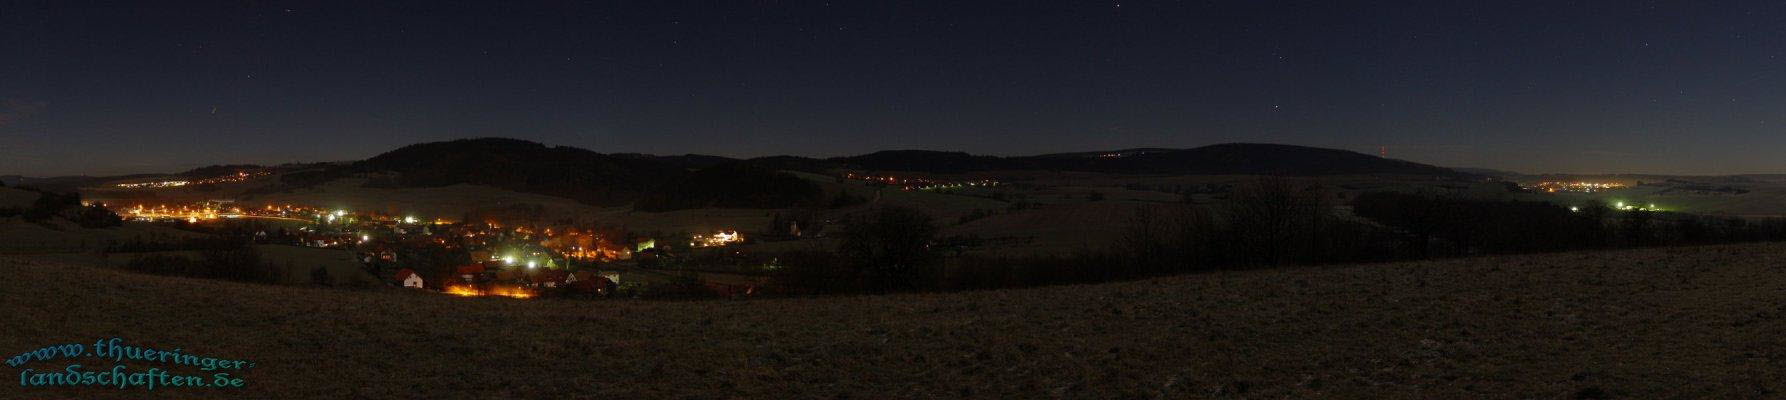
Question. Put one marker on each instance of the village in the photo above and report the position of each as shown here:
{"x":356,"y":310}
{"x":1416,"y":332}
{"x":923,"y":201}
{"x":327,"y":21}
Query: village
{"x":482,"y":258}
{"x":1575,"y":187}
{"x":239,"y":176}
{"x":911,"y":183}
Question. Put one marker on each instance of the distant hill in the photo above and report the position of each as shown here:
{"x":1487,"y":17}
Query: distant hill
{"x":524,"y":166}
{"x":1109,"y":153}
{"x":694,"y":181}
{"x":650,"y":183}
{"x":68,"y":183}
{"x":739,"y":184}
{"x":17,"y":198}
{"x":1490,"y":172}
{"x":1260,"y":159}
{"x":796,"y":163}
{"x":219,"y":170}
{"x":1221,"y":159}
{"x":686,"y":161}
{"x":933,"y":161}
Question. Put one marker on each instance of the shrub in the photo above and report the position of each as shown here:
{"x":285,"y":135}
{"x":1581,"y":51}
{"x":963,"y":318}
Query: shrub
{"x":890,"y":249}
{"x":1272,"y":222}
{"x":97,"y":217}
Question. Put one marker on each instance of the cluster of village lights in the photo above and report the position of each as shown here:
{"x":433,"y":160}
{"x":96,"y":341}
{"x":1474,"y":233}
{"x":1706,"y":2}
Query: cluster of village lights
{"x":920,"y":183}
{"x":238,"y":177}
{"x":717,"y":239}
{"x":511,"y":260}
{"x":341,"y":214}
{"x":1621,"y":206}
{"x":190,"y":214}
{"x":1583,"y":187}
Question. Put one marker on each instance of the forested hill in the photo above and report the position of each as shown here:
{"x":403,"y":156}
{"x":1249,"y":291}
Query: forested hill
{"x":1221,"y":159}
{"x":649,"y":182}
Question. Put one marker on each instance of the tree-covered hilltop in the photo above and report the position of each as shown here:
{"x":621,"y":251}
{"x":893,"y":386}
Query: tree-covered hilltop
{"x":1220,"y":159}
{"x":650,"y":183}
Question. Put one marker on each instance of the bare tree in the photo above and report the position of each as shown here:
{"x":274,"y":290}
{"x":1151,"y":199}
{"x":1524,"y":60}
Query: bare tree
{"x":1276,"y":221}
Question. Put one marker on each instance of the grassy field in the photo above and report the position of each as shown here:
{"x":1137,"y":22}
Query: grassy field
{"x":17,"y":198}
{"x":1051,"y":229}
{"x":296,"y":261}
{"x":299,"y":261}
{"x":1763,"y":200}
{"x":1663,"y":323}
{"x":62,"y":236}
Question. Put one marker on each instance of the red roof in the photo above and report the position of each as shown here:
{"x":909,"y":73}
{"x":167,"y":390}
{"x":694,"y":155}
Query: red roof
{"x":584,"y":275}
{"x":590,"y":281}
{"x":403,"y":274}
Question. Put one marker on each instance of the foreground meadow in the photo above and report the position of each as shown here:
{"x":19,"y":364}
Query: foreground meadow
{"x":1659,"y":323}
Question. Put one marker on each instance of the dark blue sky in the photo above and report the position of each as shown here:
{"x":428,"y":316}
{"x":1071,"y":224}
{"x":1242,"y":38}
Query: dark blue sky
{"x":1540,"y":86}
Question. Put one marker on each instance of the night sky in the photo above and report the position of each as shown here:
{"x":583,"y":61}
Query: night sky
{"x":1541,"y":86}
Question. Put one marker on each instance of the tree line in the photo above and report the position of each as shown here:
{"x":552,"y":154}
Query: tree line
{"x":66,"y":205}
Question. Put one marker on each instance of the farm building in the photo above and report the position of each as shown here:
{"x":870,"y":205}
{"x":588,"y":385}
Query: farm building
{"x":409,"y":278}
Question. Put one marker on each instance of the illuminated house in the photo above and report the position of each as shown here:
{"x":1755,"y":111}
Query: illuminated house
{"x":717,"y":239}
{"x":409,"y":278}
